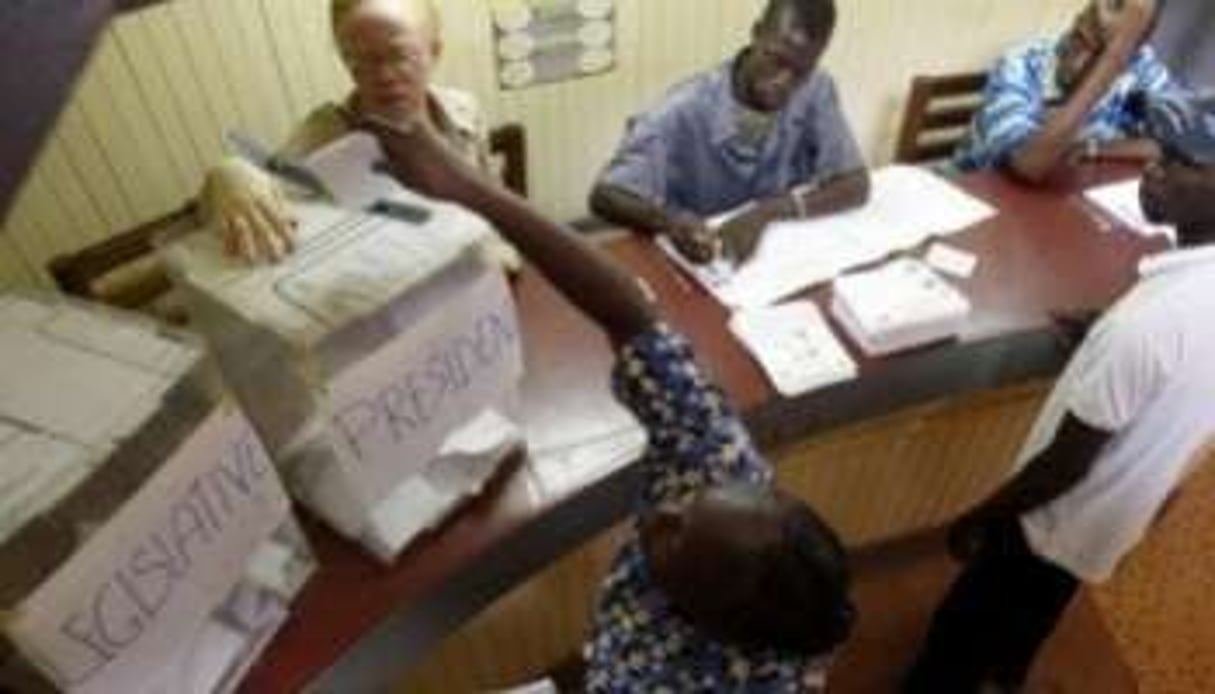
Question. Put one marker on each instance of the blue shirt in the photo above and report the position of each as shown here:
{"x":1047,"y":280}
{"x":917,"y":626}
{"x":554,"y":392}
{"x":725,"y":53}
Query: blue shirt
{"x":1023,"y":89}
{"x":696,"y":440}
{"x":701,"y":152}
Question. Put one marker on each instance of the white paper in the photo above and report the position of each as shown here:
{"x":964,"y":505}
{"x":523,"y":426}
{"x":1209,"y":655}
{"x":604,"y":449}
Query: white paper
{"x":351,"y":169}
{"x":152,"y":575}
{"x":900,"y":305}
{"x":84,"y":378}
{"x":395,"y":408}
{"x":795,"y":347}
{"x":907,"y":206}
{"x":952,"y":261}
{"x":1121,"y":201}
{"x":36,"y":472}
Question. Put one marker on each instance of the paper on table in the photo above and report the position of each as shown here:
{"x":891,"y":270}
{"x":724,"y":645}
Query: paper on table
{"x":36,"y":471}
{"x":1121,"y":201}
{"x":952,"y":261}
{"x":907,"y":206}
{"x":795,"y":347}
{"x":81,"y":378}
{"x":897,"y":306}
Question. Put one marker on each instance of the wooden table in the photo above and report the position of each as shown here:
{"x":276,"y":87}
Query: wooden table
{"x":358,"y":625}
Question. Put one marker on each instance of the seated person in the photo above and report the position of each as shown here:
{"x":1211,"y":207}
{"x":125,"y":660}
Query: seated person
{"x":1125,"y":425}
{"x":1054,"y":101}
{"x":727,"y":583}
{"x":389,"y":47}
{"x":763,"y":128}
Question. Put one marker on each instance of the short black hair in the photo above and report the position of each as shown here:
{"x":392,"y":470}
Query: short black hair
{"x":791,"y":596}
{"x":816,"y":17}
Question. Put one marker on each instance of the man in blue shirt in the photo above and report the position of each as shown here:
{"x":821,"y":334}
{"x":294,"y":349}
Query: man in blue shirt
{"x":764,"y":129}
{"x":1058,"y":100}
{"x":726,"y":583}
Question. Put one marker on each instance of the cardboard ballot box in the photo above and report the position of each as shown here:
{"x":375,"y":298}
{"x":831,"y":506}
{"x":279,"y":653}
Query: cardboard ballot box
{"x":146,"y":543}
{"x":380,"y":361}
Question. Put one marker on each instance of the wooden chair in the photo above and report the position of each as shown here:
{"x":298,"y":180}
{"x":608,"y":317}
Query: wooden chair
{"x":939,"y":112}
{"x":123,"y":270}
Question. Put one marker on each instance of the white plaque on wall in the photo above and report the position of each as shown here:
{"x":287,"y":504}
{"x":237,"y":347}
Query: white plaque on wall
{"x":545,"y":41}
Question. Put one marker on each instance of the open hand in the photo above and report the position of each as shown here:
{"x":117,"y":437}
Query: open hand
{"x":741,"y":236}
{"x":249,"y":211}
{"x":694,"y":240}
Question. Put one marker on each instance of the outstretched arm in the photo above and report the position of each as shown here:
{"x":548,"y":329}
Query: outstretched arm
{"x":1065,"y":463}
{"x":583,"y":273}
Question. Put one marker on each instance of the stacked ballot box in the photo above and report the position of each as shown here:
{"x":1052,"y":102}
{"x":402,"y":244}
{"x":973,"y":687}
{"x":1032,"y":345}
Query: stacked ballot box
{"x":381,"y":362}
{"x":146,"y":542}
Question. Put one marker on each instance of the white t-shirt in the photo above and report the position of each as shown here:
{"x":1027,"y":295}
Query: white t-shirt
{"x":1146,"y":374}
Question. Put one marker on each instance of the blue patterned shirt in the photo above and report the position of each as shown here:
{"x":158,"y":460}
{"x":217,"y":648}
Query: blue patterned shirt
{"x":696,"y":440}
{"x":1023,"y":89}
{"x":701,"y":152}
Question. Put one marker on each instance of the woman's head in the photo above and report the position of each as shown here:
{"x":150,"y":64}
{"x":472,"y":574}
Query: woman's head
{"x":753,"y":566}
{"x":390,"y":48}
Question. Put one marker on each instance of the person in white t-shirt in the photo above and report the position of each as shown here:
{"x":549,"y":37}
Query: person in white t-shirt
{"x":1125,"y":425}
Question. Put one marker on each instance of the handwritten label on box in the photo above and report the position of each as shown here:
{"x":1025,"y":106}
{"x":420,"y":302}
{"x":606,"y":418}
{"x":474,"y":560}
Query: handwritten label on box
{"x":150,"y":577}
{"x":395,"y":408}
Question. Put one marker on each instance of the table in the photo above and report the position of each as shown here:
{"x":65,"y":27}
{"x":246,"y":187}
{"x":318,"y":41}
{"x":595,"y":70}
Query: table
{"x":358,"y":625}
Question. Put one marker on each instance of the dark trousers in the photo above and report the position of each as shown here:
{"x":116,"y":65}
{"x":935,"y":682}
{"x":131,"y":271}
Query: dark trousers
{"x":994,"y":620}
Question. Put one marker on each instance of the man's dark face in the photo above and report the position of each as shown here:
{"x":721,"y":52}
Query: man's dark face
{"x":1080,"y":48}
{"x":1180,"y":193}
{"x":681,"y":540}
{"x":782,"y":56}
{"x":709,"y":557}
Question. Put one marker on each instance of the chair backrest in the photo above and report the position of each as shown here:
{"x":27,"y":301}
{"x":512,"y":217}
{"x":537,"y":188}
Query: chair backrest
{"x":938,"y":115}
{"x":123,"y":270}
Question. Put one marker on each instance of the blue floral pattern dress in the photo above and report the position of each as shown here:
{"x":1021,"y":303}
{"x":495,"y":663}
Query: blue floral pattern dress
{"x":696,"y":440}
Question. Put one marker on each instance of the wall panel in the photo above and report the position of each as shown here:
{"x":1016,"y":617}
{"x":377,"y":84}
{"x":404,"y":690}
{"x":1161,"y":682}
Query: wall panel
{"x":151,"y":109}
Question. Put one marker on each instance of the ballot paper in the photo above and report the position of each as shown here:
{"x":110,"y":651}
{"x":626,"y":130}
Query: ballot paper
{"x":469,"y":459}
{"x":952,"y":261}
{"x":1121,"y":202}
{"x":899,"y":306}
{"x":75,"y":384}
{"x":907,"y":206}
{"x":795,"y":347}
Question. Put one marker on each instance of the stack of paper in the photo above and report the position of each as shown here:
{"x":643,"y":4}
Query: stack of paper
{"x":135,"y":501}
{"x":1121,"y":201}
{"x":907,"y":206}
{"x":901,"y":305}
{"x":795,"y":347}
{"x":359,"y":355}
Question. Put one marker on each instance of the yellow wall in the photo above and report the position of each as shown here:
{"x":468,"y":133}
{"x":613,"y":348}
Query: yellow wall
{"x":151,"y":109}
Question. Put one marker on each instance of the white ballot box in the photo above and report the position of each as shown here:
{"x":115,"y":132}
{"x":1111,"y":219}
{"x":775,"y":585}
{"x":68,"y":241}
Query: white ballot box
{"x":901,"y":305}
{"x":381,"y":361}
{"x":140,"y":515}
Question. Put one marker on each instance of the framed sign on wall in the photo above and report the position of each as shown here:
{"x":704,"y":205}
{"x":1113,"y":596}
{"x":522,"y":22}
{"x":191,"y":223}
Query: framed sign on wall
{"x":545,"y":41}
